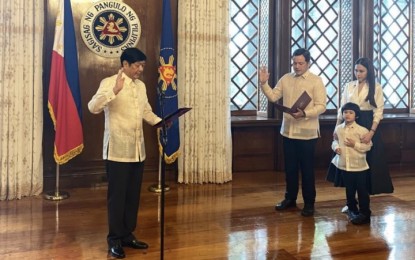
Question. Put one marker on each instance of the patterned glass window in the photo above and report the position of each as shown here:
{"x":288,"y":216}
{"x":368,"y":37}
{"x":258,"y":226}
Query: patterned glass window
{"x":263,"y":48}
{"x":324,"y":28}
{"x":248,"y":48}
{"x":392,"y":55}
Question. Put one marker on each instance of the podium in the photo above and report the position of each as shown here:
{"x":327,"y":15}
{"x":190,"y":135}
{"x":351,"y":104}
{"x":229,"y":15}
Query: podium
{"x":161,"y":186}
{"x":173,"y":116}
{"x":168,"y":120}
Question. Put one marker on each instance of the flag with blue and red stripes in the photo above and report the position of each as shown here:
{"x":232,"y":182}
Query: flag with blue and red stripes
{"x":64,"y":98}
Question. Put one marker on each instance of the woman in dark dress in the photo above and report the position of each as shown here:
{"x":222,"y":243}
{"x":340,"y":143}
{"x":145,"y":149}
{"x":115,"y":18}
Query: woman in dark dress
{"x":368,"y":94}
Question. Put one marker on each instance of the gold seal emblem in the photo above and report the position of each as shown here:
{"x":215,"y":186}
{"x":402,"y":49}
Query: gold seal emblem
{"x":167,"y":73}
{"x":109,"y":27}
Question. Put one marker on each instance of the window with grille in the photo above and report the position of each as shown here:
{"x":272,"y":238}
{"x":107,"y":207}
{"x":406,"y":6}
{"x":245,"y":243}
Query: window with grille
{"x":392,"y":52}
{"x":248,"y":50}
{"x":325,"y":29}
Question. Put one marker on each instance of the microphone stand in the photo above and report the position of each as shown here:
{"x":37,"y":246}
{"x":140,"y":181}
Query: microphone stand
{"x":163,"y":141}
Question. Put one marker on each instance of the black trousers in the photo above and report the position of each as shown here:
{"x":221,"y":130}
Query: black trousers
{"x":123,"y":198}
{"x":357,"y":182}
{"x":299,"y":155}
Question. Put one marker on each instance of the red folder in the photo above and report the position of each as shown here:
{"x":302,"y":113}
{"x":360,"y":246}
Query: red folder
{"x":173,"y":116}
{"x":301,"y":103}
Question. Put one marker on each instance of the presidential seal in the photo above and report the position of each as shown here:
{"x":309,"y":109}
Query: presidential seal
{"x":109,"y":27}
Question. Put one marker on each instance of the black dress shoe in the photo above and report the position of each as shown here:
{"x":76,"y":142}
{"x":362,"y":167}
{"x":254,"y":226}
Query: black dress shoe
{"x":361,"y":219}
{"x":116,"y":251}
{"x":285,"y":204}
{"x":135,"y":244}
{"x":352,"y":214}
{"x":308,"y":210}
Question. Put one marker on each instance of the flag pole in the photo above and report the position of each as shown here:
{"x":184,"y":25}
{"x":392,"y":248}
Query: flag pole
{"x":56,"y":195}
{"x":157,"y":187}
{"x":64,"y":94}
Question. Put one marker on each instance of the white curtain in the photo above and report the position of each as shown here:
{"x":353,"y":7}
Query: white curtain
{"x":203,"y":80}
{"x":21,"y":114}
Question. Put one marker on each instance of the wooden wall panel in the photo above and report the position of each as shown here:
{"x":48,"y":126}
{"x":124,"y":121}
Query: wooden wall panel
{"x":408,"y":144}
{"x":392,"y":139}
{"x":253,"y":148}
{"x":92,"y":69}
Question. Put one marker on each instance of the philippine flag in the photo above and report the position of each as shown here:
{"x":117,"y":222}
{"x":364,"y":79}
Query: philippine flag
{"x":64,"y":99}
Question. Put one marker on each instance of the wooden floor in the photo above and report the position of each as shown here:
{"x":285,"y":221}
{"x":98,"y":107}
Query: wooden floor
{"x":236,"y":220}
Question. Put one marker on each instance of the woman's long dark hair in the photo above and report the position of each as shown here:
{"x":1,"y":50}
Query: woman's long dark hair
{"x":370,"y":78}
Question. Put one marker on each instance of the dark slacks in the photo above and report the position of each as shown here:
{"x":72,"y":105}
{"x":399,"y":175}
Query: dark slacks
{"x":123,"y":198}
{"x":357,"y":182}
{"x":299,"y":155}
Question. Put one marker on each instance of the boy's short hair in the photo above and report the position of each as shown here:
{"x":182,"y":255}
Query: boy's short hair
{"x":351,"y":106}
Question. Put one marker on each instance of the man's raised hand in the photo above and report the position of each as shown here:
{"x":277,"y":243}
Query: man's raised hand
{"x":119,"y":83}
